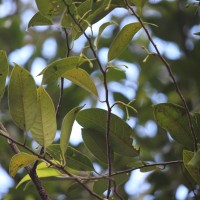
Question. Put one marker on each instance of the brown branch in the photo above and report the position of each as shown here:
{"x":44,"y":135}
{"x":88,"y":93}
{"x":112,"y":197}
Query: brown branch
{"x":108,"y":145}
{"x":166,"y":64}
{"x":37,"y":182}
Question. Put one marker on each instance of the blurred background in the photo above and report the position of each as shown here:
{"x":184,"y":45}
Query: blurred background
{"x":146,"y":82}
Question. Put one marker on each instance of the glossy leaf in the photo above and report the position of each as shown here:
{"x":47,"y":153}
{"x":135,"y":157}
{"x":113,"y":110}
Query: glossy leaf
{"x":122,"y":40}
{"x":56,"y":69}
{"x":95,"y":143}
{"x":173,"y":118}
{"x":101,"y":186}
{"x":19,"y":161}
{"x":81,"y":78}
{"x":39,"y":20}
{"x":44,"y":128}
{"x":4,"y":69}
{"x":120,"y":132}
{"x":43,"y":171}
{"x":22,"y":98}
{"x":101,"y":29}
{"x":193,"y":171}
{"x":66,"y":128}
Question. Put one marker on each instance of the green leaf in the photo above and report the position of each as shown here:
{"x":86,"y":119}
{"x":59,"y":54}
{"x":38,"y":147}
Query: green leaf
{"x":19,"y":161}
{"x":197,"y":33}
{"x":120,"y":132}
{"x":75,"y":159}
{"x":4,"y":69}
{"x":122,"y":40}
{"x":22,"y":95}
{"x":43,"y":171}
{"x":44,"y":128}
{"x":193,"y":171}
{"x":173,"y":118}
{"x":81,"y":78}
{"x":95,"y":143}
{"x":148,"y":168}
{"x":139,"y":4}
{"x":50,"y":8}
{"x":101,"y":29}
{"x":78,"y":161}
{"x":56,"y":69}
{"x":101,"y":186}
{"x":195,"y":161}
{"x":39,"y":20}
{"x":66,"y":128}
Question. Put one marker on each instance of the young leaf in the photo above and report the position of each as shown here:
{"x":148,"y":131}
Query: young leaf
{"x":95,"y":143}
{"x":43,"y":171}
{"x":81,"y":78}
{"x":173,"y":118}
{"x":122,"y":40}
{"x":19,"y":161}
{"x":101,"y":29}
{"x":4,"y":69}
{"x":193,"y":171}
{"x":78,"y":161}
{"x":22,"y":95}
{"x":44,"y":128}
{"x":66,"y":128}
{"x":120,"y":132}
{"x":56,"y":69}
{"x":39,"y":20}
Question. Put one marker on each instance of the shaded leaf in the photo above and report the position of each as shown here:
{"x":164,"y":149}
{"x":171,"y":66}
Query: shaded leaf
{"x":56,"y":69}
{"x":193,"y":171}
{"x":4,"y":69}
{"x":81,"y":78}
{"x":120,"y":132}
{"x":195,"y":161}
{"x":22,"y":95}
{"x":101,"y":186}
{"x":44,"y":128}
{"x":78,"y":161}
{"x":101,"y":29}
{"x":122,"y":40}
{"x":19,"y":161}
{"x":148,"y":169}
{"x":43,"y":171}
{"x":66,"y":128}
{"x":39,"y":20}
{"x":197,"y":33}
{"x":95,"y":143}
{"x":173,"y":118}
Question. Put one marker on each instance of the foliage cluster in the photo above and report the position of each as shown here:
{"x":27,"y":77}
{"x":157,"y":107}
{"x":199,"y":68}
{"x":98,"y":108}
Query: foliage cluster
{"x":111,"y":142}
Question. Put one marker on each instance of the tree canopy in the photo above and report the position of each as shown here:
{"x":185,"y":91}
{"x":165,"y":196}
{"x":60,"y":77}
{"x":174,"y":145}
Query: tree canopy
{"x":127,"y":72}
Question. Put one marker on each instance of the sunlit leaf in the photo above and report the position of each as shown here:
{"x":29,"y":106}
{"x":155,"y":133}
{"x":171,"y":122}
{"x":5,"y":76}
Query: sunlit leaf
{"x":122,"y":40}
{"x":120,"y":132}
{"x":44,"y":128}
{"x":173,"y":118}
{"x":66,"y":128}
{"x":56,"y":69}
{"x":43,"y":171}
{"x":81,"y":78}
{"x":39,"y":20}
{"x":101,"y":29}
{"x":193,"y":171}
{"x":195,"y":161}
{"x":4,"y":69}
{"x":22,"y":95}
{"x":19,"y":161}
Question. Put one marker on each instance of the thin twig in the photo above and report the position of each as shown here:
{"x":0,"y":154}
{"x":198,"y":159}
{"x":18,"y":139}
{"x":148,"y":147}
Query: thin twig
{"x":108,"y":145}
{"x":37,"y":182}
{"x":166,"y":64}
